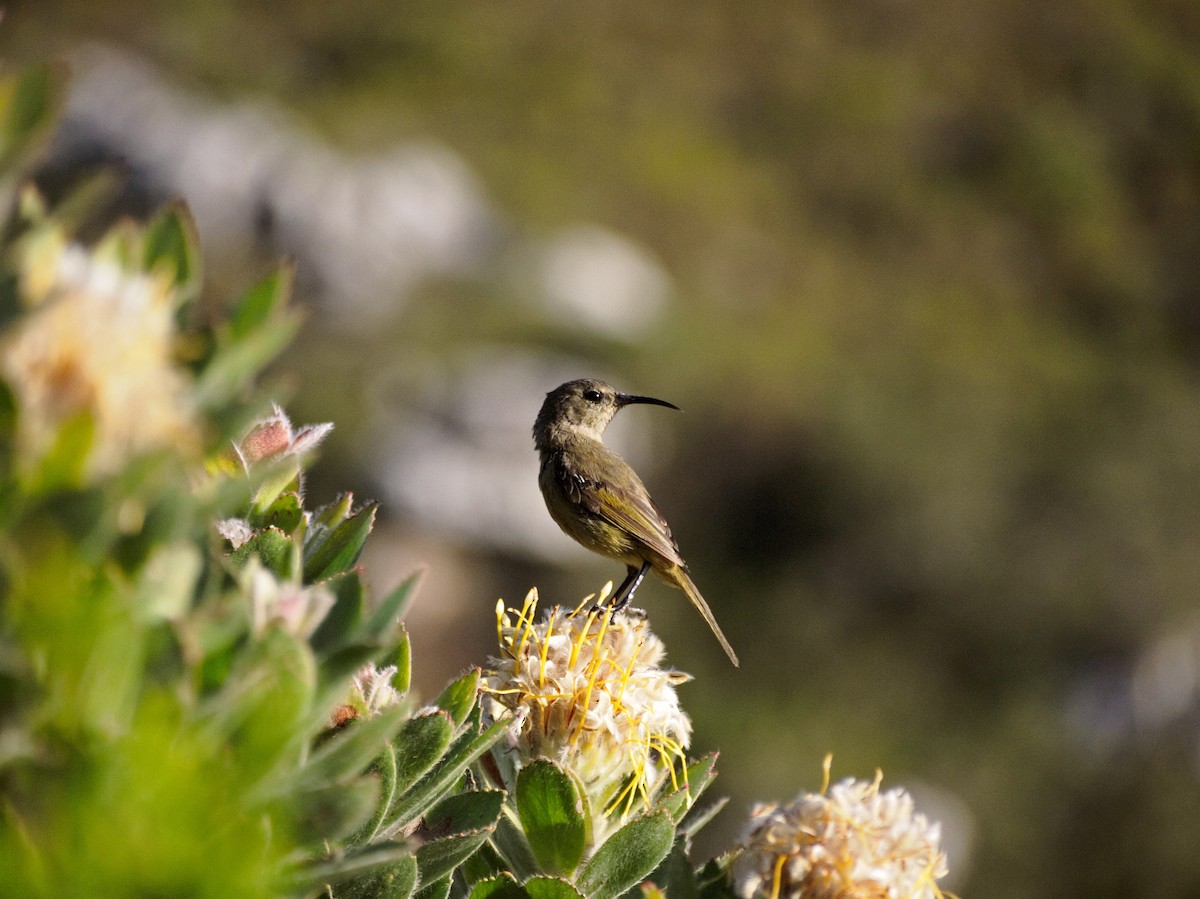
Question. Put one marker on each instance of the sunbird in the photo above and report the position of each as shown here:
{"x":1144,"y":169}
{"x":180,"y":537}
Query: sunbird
{"x":598,"y":500}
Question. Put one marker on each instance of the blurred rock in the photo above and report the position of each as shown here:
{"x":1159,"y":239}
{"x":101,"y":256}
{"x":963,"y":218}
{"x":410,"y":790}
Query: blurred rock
{"x":593,"y":277}
{"x":365,"y":230}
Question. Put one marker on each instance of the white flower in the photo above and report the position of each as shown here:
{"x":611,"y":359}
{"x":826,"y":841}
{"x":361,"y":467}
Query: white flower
{"x":586,"y":689}
{"x":849,"y":842}
{"x":236,"y":530}
{"x":298,"y":608}
{"x":95,"y":345}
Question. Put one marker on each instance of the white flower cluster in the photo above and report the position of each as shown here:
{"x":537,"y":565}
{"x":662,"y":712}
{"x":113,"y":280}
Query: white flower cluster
{"x":850,"y":842}
{"x":297,"y":608}
{"x":586,"y":689}
{"x":97,"y":342}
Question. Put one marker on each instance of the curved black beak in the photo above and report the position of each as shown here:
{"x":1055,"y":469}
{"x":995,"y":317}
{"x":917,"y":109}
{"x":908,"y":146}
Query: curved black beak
{"x":626,"y":399}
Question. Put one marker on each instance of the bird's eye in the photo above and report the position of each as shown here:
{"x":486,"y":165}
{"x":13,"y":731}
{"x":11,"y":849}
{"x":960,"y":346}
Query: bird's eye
{"x":592,"y":396}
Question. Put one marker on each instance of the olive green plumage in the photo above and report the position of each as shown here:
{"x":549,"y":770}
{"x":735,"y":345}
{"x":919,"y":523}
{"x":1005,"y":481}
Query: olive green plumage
{"x":598,"y":500}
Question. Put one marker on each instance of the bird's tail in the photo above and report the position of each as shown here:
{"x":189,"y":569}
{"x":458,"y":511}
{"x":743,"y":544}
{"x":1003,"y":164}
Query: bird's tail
{"x":685,"y":583}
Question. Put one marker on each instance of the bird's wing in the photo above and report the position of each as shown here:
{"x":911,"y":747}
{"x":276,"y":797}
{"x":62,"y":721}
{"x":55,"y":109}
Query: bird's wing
{"x":629,"y":509}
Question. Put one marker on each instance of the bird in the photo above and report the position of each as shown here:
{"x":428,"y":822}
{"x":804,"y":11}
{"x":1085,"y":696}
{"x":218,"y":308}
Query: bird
{"x":599,"y":501}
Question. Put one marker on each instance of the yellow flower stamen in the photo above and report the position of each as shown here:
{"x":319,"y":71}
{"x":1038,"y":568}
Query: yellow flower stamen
{"x":586,"y":690}
{"x":777,"y":879}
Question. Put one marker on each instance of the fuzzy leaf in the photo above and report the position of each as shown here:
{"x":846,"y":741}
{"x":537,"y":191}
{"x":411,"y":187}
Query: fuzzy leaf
{"x":342,"y":663}
{"x":675,"y":876}
{"x":341,"y":620}
{"x":458,"y":698}
{"x":261,"y":303}
{"x":467,"y":819}
{"x":463,"y":812}
{"x":402,"y":659}
{"x":628,"y":856}
{"x":348,"y":752}
{"x":265,"y":701}
{"x":276,"y":476}
{"x":442,"y":778}
{"x":274,"y":549}
{"x":64,"y":464}
{"x":396,"y":880}
{"x":419,"y":744}
{"x":238,"y":359}
{"x":551,"y":813}
{"x":390,"y":609}
{"x":330,"y":516}
{"x":696,"y":818}
{"x":502,"y":886}
{"x":385,"y":765}
{"x":713,"y":879}
{"x":512,"y":846}
{"x":551,"y":888}
{"x":342,"y":547}
{"x":699,"y":775}
{"x":285,"y":513}
{"x":332,"y":811}
{"x":29,"y":102}
{"x":438,"y":889}
{"x":170,"y":242}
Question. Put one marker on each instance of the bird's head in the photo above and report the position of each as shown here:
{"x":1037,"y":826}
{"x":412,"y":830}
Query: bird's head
{"x":583,"y":407}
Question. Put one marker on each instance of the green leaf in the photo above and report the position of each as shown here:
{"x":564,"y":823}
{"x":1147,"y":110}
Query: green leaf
{"x":343,"y":618}
{"x":438,"y":889}
{"x":385,"y":765}
{"x":713,"y":879}
{"x":170,"y":241}
{"x":402,"y":659}
{"x":332,"y":811}
{"x":396,"y":880}
{"x":333,"y":514}
{"x":235,"y":364}
{"x":274,"y":549}
{"x":458,"y":698}
{"x":465,"y":812}
{"x":262,"y":303}
{"x":265,"y":703}
{"x":473,"y":820}
{"x":628,"y":856}
{"x":348,"y":752}
{"x":699,"y":775}
{"x":276,"y":476}
{"x":675,"y":876}
{"x":419,"y":744}
{"x":551,"y":812}
{"x":551,"y":888}
{"x":390,"y":609}
{"x":697,"y":818}
{"x":29,"y":101}
{"x":342,"y":663}
{"x":444,"y":775}
{"x":512,"y":846}
{"x":502,"y":886}
{"x":285,"y":512}
{"x":342,"y":547}
{"x":64,"y":464}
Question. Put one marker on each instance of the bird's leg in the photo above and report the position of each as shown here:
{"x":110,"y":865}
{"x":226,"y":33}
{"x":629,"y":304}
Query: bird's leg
{"x":613,"y":598}
{"x":625,"y":592}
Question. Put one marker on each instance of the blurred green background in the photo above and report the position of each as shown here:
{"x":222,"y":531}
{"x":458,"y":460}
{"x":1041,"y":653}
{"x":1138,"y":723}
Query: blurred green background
{"x":925,"y":277}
